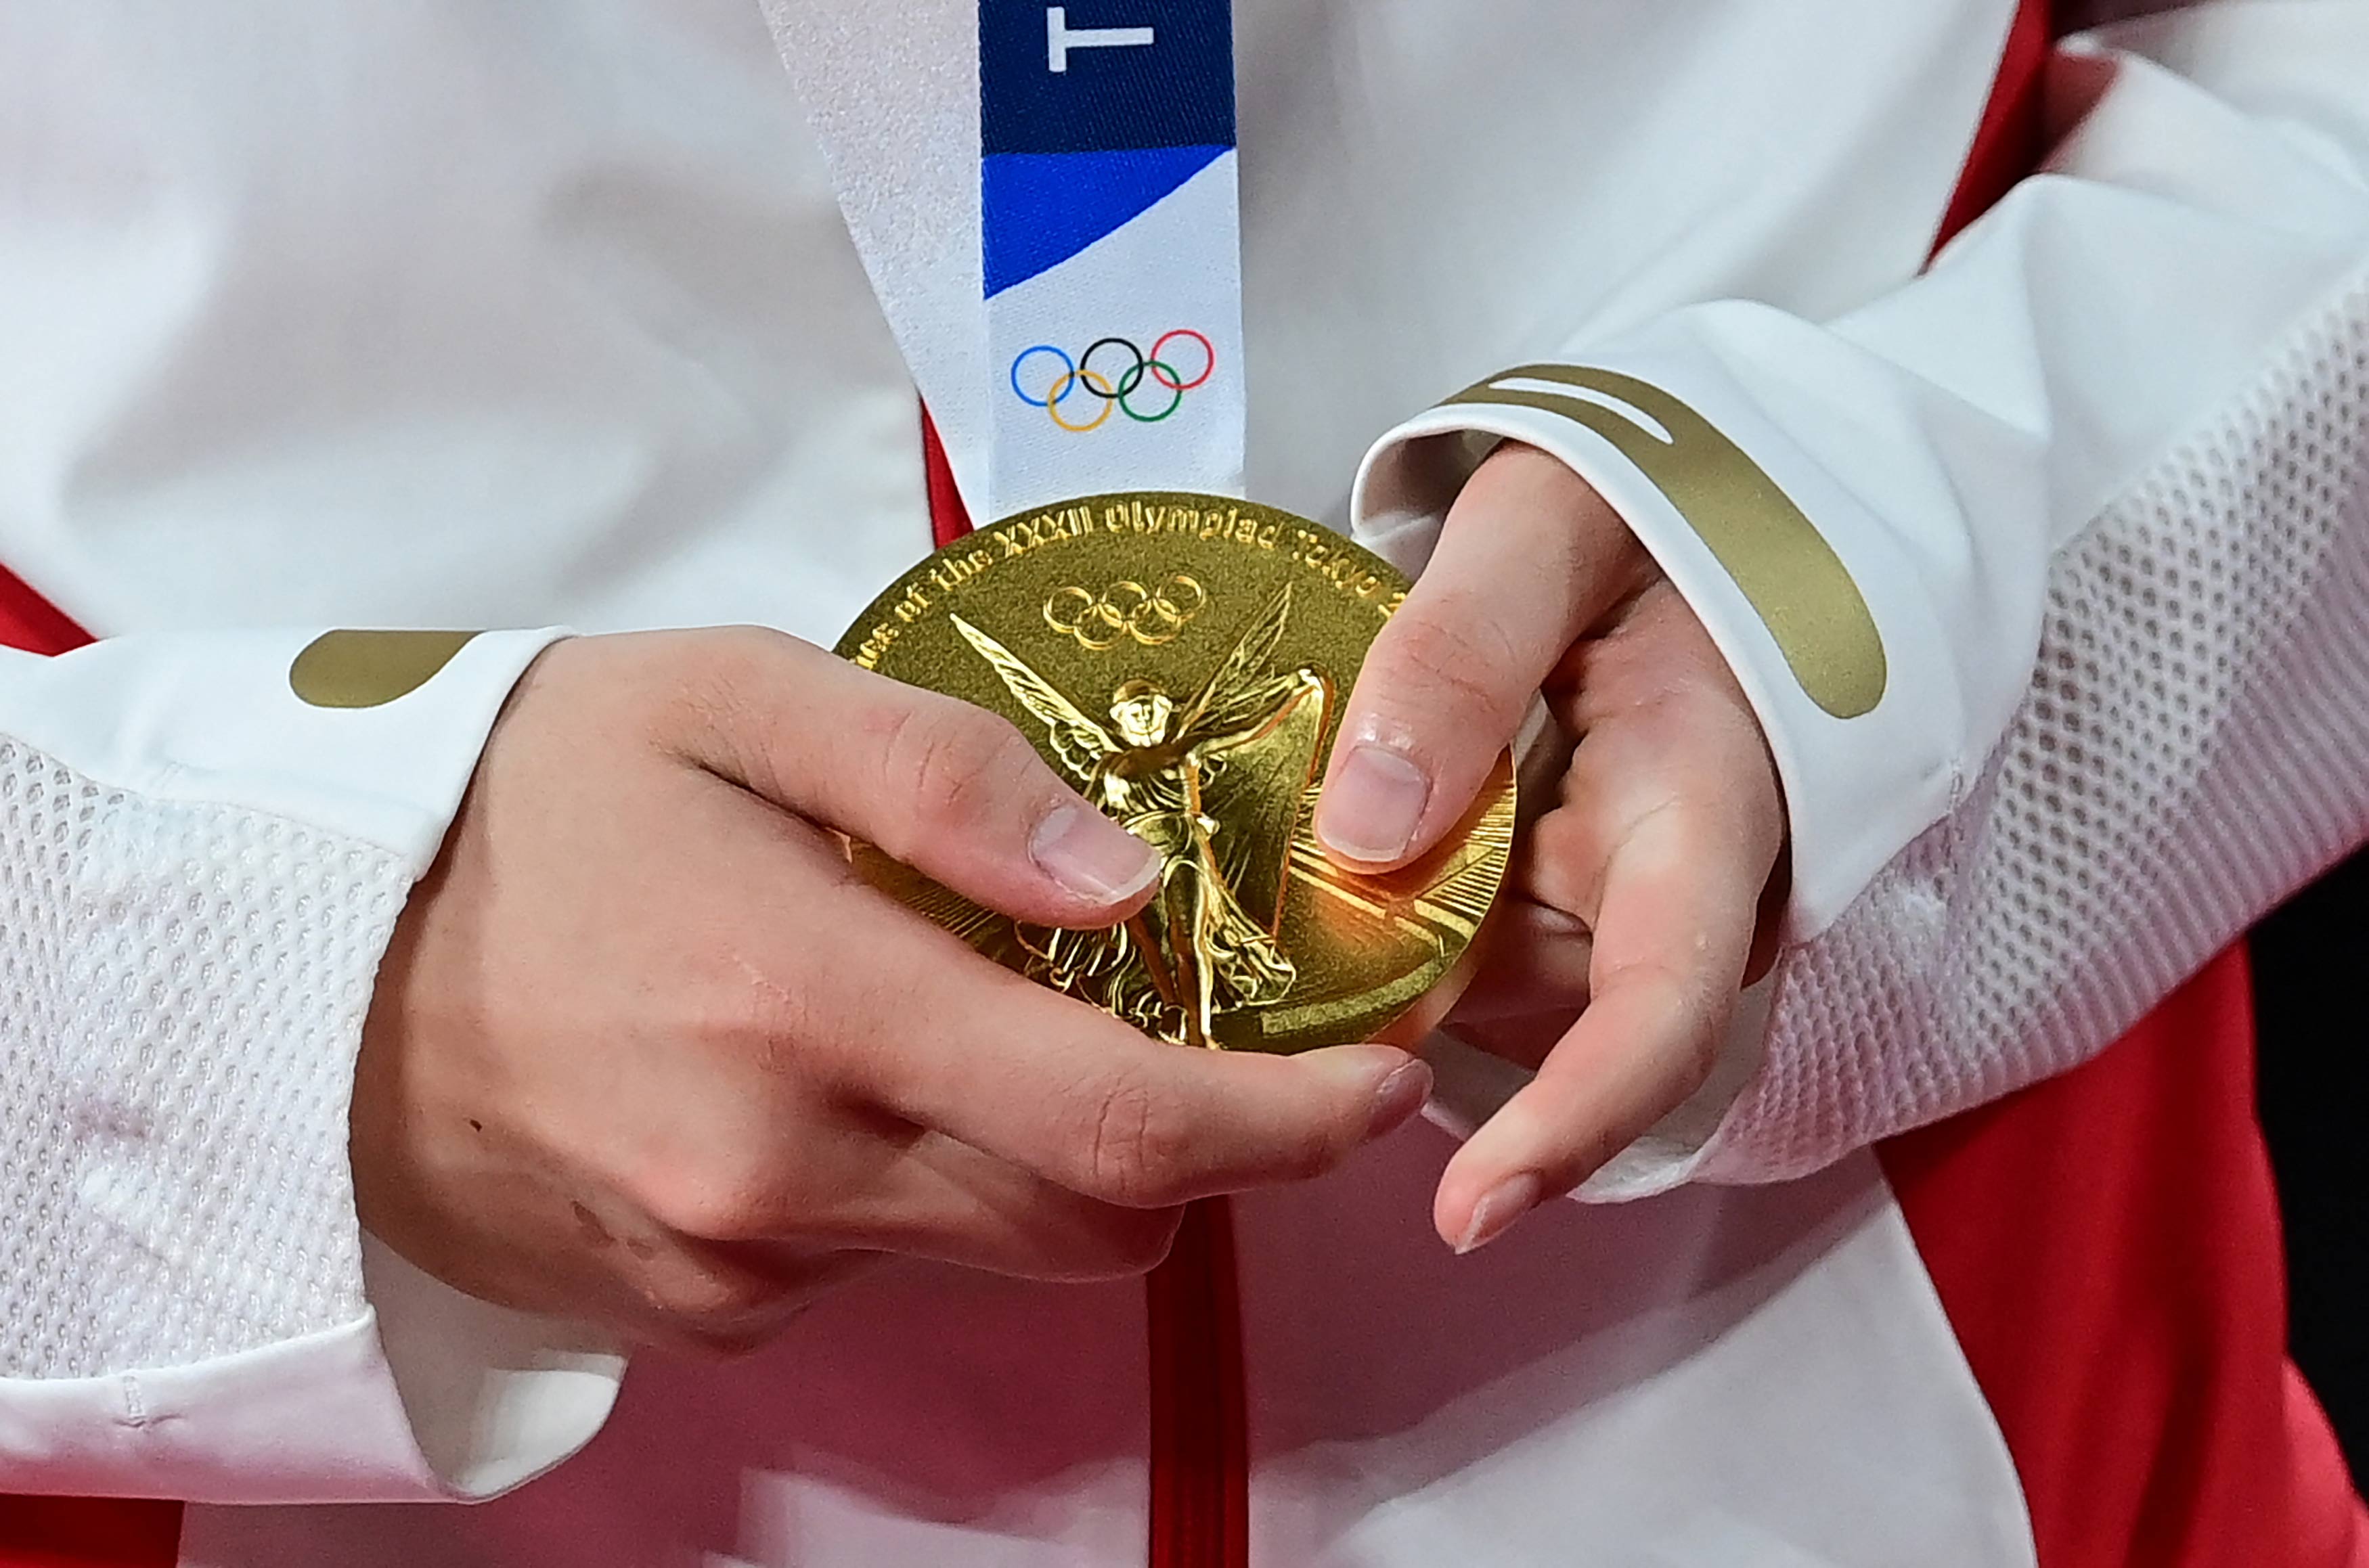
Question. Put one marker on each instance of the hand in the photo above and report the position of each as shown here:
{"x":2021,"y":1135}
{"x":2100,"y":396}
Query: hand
{"x":1639,"y":895}
{"x":644,"y":1052}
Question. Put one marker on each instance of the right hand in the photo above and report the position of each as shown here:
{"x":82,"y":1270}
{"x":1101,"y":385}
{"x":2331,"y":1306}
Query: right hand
{"x":644,"y":1052}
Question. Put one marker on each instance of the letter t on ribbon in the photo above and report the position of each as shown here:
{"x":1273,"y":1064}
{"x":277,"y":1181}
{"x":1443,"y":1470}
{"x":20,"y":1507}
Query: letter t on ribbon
{"x":1061,"y":38}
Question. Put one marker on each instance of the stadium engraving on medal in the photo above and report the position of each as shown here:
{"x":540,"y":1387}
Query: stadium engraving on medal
{"x":1181,"y":660}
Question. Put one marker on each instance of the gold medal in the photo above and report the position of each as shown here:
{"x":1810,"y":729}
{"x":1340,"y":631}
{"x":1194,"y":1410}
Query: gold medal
{"x":1182,"y":659}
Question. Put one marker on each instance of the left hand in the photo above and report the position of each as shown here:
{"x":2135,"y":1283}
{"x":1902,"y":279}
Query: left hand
{"x":1639,"y":899}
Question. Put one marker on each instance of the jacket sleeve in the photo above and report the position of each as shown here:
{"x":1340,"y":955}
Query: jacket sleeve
{"x":205,"y":841}
{"x":2047,"y":575}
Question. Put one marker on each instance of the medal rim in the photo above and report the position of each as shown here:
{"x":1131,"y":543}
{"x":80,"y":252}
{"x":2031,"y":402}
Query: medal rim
{"x":1406,"y":1025}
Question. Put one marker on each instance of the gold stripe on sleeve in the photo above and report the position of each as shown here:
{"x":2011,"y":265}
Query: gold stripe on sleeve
{"x":1788,"y":572}
{"x":369,"y":670}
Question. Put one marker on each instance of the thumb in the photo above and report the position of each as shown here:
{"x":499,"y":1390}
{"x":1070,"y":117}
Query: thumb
{"x":1529,"y":558}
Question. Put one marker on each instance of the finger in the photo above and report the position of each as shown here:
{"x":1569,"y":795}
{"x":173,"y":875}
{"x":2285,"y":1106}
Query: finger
{"x":687,"y":1294}
{"x":1667,"y":842}
{"x":927,"y":1197}
{"x":946,"y":787}
{"x":918,"y":1024}
{"x":1536,"y":961}
{"x":1663,"y":993}
{"x":1529,"y":557}
{"x":934,"y":1197}
{"x":1637,"y":1052}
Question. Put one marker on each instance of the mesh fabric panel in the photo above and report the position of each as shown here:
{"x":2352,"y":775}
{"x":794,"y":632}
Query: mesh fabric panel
{"x":182,"y":987}
{"x":2194,"y":746}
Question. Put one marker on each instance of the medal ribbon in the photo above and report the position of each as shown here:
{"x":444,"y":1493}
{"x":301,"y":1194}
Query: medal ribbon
{"x":1110,"y":253}
{"x":1070,"y":308}
{"x":1084,"y":335}
{"x":1197,"y":1506}
{"x":1111,"y":267}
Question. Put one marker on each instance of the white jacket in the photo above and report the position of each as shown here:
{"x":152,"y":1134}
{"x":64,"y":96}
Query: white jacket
{"x":449,"y":313}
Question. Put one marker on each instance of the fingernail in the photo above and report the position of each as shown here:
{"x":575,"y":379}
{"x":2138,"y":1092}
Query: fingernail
{"x":1402,"y":1093}
{"x":1093,"y":856}
{"x":1498,"y":1208}
{"x":1370,"y":808}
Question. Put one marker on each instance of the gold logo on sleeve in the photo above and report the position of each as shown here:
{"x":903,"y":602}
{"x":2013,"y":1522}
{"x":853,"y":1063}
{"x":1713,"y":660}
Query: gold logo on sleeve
{"x":1782,"y":564}
{"x":370,"y":669}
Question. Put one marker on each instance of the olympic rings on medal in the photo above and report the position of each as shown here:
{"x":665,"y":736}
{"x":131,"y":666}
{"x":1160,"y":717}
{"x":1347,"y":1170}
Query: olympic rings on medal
{"x":1116,"y":381}
{"x":1151,"y":616}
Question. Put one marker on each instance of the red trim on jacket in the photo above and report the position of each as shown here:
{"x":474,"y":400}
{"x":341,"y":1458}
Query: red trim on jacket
{"x":949,"y":519}
{"x":2012,"y":135}
{"x":88,"y":1532}
{"x":1200,"y":1493}
{"x":2106,"y":1246}
{"x":2106,"y":1243}
{"x":31,"y":622}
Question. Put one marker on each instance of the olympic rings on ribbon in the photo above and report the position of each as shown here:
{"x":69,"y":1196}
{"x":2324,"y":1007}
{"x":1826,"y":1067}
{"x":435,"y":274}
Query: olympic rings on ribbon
{"x":1151,"y":616}
{"x":1080,"y":374}
{"x":1088,"y":379}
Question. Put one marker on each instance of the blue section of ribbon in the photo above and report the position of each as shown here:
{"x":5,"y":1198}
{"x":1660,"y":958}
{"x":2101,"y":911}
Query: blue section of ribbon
{"x":1176,"y":91}
{"x":1040,"y":209}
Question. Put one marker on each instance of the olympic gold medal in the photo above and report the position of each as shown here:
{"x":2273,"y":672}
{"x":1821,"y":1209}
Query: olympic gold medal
{"x":1182,"y":659}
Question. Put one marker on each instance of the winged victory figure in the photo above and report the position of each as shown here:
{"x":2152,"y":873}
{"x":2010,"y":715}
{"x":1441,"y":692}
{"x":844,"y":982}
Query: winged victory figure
{"x":1217,"y":786}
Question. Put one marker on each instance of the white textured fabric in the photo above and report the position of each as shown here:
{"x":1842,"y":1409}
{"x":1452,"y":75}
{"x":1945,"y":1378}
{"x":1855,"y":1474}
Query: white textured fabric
{"x":2192,"y":745}
{"x":2195,"y":746}
{"x":181,"y":989}
{"x":198,"y":873}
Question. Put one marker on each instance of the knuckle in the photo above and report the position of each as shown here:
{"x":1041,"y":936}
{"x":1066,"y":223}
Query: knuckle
{"x":721,"y":682}
{"x":746,"y":653}
{"x":1699,"y":1005}
{"x":1135,"y":1147}
{"x":1454,"y":659}
{"x":947,"y":762}
{"x":1697,"y":1059}
{"x":764,"y":1013}
{"x":727,"y":666}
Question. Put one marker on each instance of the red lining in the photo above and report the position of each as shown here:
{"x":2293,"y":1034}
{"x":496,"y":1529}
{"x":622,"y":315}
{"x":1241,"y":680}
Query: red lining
{"x":2106,"y":1246}
{"x":2011,"y":137}
{"x":88,"y":1532}
{"x":949,"y":519}
{"x":1200,"y":1440}
{"x":31,"y":622}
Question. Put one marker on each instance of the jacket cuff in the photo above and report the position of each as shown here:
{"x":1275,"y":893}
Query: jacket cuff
{"x":367,"y":735}
{"x":432,"y":1397}
{"x":1832,"y":622}
{"x":212,"y":837}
